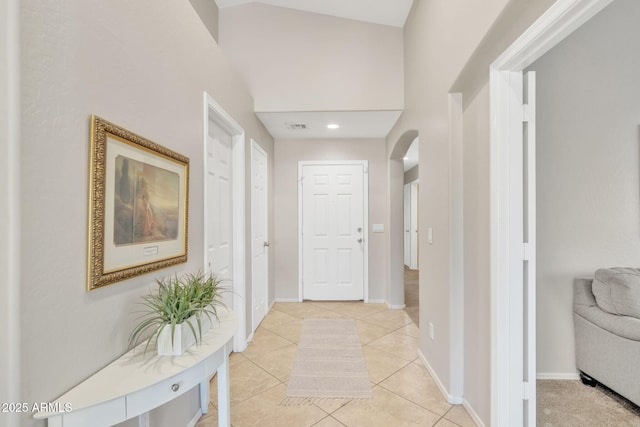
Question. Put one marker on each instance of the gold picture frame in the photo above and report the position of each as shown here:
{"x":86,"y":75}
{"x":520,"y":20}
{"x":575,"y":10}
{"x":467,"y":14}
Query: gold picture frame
{"x":138,"y":205}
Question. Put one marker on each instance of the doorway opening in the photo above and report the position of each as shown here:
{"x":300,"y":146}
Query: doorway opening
{"x":411,"y":269}
{"x":513,"y":388}
{"x":395,"y":291}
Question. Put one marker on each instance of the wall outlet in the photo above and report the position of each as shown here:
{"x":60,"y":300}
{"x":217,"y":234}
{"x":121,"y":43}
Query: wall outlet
{"x":431,"y":333}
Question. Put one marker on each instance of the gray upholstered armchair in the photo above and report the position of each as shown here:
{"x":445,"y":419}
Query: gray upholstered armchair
{"x":607,"y":330}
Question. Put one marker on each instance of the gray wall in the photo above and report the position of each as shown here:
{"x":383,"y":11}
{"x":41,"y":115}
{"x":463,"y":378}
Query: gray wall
{"x":208,"y":12}
{"x":145,"y":67}
{"x":301,"y":61}
{"x":412,"y":174}
{"x":477,"y":250}
{"x":287,"y":155}
{"x":432,"y":35}
{"x":588,"y":122}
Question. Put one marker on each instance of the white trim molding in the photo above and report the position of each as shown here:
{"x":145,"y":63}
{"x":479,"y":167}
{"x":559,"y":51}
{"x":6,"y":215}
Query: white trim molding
{"x":560,"y":20}
{"x":558,"y":376}
{"x":453,"y":400}
{"x":473,"y":414}
{"x":285,"y":300}
{"x":456,"y":251}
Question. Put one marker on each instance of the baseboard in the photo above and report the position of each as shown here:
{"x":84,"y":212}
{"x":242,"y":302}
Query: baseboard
{"x":472,"y":413}
{"x":376,"y":301}
{"x":195,"y":419}
{"x":395,"y":307}
{"x":453,"y":400}
{"x":250,"y":338}
{"x":285,"y":300}
{"x":557,"y":376}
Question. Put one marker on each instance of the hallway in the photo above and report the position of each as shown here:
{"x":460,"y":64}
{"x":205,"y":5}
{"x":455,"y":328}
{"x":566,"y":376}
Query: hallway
{"x":404,"y":392}
{"x":412,"y":294}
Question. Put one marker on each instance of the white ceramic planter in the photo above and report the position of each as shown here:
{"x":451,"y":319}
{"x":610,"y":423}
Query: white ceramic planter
{"x":182,"y":337}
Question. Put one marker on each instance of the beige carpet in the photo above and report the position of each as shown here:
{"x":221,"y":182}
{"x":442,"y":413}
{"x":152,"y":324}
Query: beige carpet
{"x":564,"y":403}
{"x":329,"y":363}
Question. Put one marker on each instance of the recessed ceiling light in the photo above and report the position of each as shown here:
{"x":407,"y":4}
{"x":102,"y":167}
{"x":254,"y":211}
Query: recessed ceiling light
{"x":333,"y":126}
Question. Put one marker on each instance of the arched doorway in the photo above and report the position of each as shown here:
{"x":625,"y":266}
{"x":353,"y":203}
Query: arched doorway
{"x":411,"y":265}
{"x":395,"y":293}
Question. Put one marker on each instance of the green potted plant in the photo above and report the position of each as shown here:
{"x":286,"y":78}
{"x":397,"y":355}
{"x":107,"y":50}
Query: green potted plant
{"x":178,"y":313}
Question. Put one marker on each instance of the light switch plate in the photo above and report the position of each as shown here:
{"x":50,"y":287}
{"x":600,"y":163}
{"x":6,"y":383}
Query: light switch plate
{"x":377,"y":228}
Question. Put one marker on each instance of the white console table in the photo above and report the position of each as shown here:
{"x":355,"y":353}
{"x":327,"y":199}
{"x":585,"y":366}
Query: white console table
{"x":135,"y":383}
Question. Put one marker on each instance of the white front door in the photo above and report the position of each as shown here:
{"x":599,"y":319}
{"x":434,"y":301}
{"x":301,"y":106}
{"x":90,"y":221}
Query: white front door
{"x":334,"y":231}
{"x":259,"y":237}
{"x":219,"y":223}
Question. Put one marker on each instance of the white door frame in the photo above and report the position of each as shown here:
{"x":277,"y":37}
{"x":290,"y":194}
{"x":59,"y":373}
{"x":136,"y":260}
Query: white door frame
{"x":257,"y":147}
{"x":406,"y":216}
{"x":507,"y":352}
{"x":221,"y":117}
{"x":365,"y":226}
{"x":413,"y":233}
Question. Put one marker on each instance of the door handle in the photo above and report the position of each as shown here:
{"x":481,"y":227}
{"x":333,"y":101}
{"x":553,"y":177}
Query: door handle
{"x":360,"y":240}
{"x":265,"y":244}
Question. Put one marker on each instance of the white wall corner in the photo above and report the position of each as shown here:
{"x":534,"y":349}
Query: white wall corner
{"x":453,"y":400}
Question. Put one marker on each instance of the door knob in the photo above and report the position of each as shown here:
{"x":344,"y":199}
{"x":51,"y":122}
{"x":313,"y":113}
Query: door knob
{"x":360,"y":240}
{"x":265,"y":244}
{"x":359,"y":229}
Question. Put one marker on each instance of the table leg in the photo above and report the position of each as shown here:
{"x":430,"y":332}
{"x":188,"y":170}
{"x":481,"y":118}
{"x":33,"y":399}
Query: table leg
{"x":204,"y":397}
{"x":143,"y":420}
{"x":224,"y":401}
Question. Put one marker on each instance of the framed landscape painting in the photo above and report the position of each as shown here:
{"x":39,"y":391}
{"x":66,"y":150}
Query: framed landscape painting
{"x":138,"y":205}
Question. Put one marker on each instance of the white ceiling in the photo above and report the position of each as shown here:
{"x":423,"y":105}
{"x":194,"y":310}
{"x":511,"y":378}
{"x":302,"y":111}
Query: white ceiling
{"x":385,"y":12}
{"x":353,"y":124}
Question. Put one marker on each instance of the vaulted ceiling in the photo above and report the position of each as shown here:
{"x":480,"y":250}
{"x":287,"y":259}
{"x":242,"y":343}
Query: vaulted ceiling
{"x":314,"y":63}
{"x":385,"y":12}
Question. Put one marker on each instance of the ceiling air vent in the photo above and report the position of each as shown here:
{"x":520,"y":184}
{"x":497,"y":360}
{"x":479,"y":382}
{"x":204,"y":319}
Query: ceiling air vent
{"x":296,"y":126}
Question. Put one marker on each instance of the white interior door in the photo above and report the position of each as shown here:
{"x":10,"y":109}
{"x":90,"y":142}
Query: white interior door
{"x":259,"y":237}
{"x":407,"y":225}
{"x":414,"y":226}
{"x":334,"y":231}
{"x":219,"y":229}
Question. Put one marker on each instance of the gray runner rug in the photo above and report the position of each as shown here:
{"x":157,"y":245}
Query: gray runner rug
{"x":329,"y":364}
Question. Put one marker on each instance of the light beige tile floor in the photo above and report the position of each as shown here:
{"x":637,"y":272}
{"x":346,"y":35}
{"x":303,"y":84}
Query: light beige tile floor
{"x":404,"y":392}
